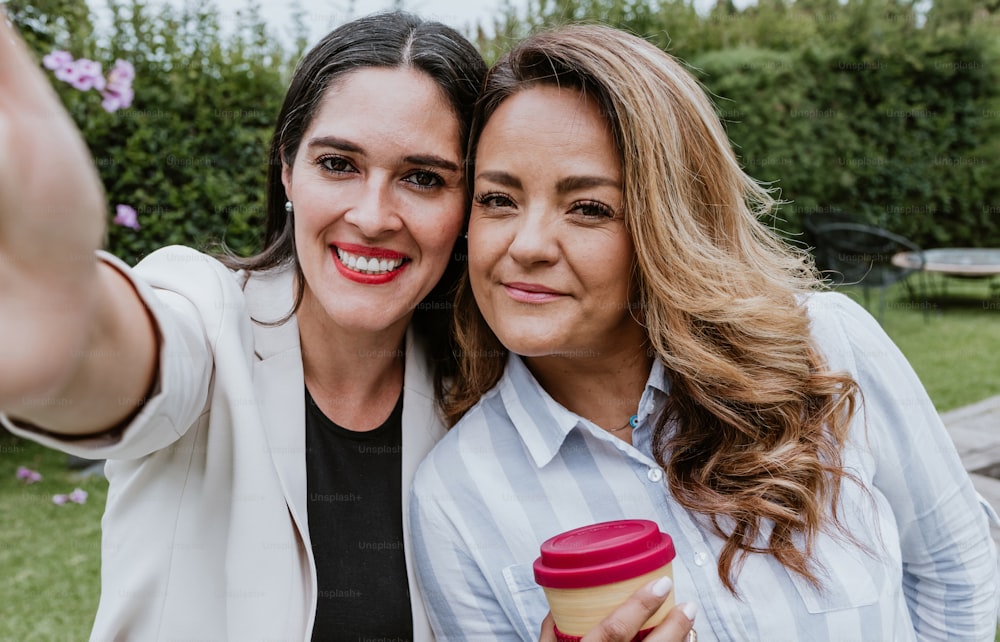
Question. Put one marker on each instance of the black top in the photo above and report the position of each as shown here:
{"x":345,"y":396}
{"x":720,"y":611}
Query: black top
{"x":354,"y":482}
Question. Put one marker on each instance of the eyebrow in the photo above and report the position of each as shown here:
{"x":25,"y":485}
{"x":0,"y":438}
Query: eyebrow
{"x":572,"y":183}
{"x":333,"y":141}
{"x":430,"y":160}
{"x":563,"y":185}
{"x":501,"y":178}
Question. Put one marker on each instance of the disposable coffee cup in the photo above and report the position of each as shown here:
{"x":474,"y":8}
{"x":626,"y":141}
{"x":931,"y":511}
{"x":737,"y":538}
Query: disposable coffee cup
{"x":588,"y":572}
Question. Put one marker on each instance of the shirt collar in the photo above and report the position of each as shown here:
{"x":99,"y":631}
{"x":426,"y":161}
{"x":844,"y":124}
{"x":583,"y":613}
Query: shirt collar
{"x":544,"y":424}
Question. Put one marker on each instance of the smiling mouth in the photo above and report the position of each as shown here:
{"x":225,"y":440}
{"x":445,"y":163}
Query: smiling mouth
{"x":531,"y":293}
{"x":369,"y":265}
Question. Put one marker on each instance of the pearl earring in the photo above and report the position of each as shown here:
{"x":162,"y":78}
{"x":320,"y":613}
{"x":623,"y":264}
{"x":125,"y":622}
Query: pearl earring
{"x":288,"y":207}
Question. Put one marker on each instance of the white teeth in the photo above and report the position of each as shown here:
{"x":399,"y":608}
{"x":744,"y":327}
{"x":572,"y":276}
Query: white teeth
{"x":366,"y":265}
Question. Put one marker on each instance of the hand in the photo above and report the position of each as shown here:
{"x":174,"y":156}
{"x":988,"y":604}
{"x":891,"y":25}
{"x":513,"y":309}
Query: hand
{"x":624,"y":623}
{"x":52,"y":204}
{"x":52,"y":218}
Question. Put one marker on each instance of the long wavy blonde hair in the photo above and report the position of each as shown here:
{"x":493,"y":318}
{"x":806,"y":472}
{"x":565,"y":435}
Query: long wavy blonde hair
{"x":755,"y":424}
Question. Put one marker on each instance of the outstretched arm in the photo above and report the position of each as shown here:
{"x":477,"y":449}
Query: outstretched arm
{"x":77,"y":347}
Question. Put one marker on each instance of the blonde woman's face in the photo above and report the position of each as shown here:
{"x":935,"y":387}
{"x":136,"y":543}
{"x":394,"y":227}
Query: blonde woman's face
{"x":549,"y":254}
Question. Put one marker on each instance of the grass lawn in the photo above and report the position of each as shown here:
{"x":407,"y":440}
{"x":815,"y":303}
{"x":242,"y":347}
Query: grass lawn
{"x":952,"y":342}
{"x":50,"y":555}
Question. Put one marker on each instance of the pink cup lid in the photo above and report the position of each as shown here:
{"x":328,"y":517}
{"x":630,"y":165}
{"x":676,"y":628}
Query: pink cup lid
{"x":602,"y":554}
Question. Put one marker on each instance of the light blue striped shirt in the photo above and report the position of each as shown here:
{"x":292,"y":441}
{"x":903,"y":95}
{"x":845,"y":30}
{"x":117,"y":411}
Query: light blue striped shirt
{"x":520,"y":468}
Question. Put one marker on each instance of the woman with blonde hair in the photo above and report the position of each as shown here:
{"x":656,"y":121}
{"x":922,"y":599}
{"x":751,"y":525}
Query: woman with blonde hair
{"x":637,"y":344}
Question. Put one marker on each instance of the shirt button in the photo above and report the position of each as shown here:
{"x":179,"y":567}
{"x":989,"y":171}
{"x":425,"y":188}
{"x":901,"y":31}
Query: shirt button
{"x":654,"y":474}
{"x":700,"y":557}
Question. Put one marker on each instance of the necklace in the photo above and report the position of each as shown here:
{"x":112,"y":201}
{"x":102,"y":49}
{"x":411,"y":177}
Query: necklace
{"x":632,"y":421}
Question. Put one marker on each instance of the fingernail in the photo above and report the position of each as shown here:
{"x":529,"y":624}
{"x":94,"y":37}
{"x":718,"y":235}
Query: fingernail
{"x":690,"y":610}
{"x":663,"y":586}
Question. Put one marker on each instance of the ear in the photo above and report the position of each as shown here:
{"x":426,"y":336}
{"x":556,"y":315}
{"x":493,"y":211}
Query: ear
{"x":286,"y":176}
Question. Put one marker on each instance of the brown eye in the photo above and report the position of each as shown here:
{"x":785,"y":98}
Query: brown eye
{"x":494,"y":200}
{"x":336,"y":164}
{"x":593,"y":209}
{"x":424,"y":179}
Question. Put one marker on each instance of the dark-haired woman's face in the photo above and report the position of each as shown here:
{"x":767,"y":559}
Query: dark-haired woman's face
{"x":550,"y":256}
{"x":379,"y":197}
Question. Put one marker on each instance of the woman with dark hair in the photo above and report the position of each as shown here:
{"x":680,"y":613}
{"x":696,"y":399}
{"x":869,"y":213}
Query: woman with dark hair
{"x":637,"y":344}
{"x":261,"y":417}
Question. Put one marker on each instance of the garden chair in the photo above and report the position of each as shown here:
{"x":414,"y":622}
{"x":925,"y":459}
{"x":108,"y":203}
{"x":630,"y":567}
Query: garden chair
{"x":812,"y":221}
{"x":858,"y":254}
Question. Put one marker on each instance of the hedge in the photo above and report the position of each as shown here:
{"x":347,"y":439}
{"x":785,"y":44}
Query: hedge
{"x":866,"y":107}
{"x":904,"y":141}
{"x":190,"y":154}
{"x":863,"y":107}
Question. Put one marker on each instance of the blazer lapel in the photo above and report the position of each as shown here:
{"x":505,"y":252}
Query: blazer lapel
{"x":280,"y":393}
{"x":279,"y":384}
{"x":269,"y":553}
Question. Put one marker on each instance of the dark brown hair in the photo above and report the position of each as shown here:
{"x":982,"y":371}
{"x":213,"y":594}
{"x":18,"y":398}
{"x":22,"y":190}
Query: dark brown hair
{"x":385,"y":40}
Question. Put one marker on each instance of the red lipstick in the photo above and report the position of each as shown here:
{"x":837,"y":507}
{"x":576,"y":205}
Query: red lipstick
{"x":371,"y":253}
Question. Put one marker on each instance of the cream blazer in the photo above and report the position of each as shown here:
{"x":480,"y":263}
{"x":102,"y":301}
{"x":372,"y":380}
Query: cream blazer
{"x":204,"y":533}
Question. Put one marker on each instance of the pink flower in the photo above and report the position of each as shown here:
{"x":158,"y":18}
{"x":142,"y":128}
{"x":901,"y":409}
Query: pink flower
{"x":68,"y":73}
{"x":116,"y":98}
{"x":126,"y":217}
{"x":123,"y":72}
{"x":28,"y":476}
{"x":125,"y":96}
{"x":57,"y":60}
{"x":78,"y":496}
{"x":118,"y":93}
{"x":89,"y":75}
{"x":111,"y":103}
{"x":84,"y":75}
